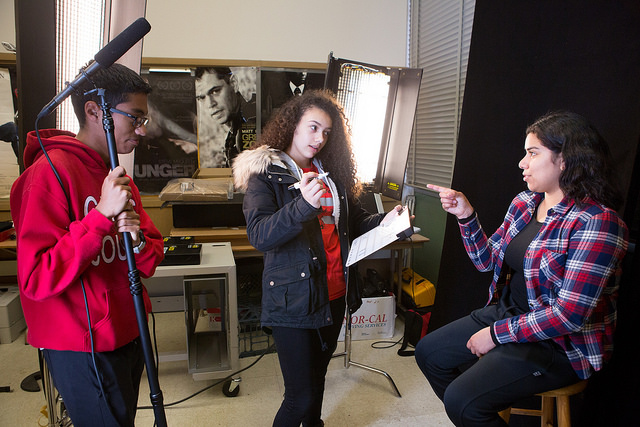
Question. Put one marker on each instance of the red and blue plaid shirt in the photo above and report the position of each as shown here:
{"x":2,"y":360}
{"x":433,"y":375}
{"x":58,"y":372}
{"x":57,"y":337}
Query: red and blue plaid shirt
{"x":572,"y":270}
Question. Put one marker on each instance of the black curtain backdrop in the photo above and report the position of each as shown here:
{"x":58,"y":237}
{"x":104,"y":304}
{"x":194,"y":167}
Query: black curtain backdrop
{"x":526,"y":59}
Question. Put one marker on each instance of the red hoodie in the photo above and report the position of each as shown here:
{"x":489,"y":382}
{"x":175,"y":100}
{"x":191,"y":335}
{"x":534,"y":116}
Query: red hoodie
{"x":56,"y":253}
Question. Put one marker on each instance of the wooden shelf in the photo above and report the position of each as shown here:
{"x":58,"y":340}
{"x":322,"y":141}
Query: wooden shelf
{"x":202,"y":62}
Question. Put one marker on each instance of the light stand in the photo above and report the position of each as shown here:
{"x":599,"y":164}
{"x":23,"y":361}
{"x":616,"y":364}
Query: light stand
{"x":155,"y":394}
{"x":347,"y":355}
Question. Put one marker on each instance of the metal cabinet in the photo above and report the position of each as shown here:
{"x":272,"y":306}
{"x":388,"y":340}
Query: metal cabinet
{"x":208,"y":293}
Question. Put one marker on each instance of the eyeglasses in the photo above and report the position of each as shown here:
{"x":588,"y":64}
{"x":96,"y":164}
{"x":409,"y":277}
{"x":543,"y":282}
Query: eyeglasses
{"x":137,"y":121}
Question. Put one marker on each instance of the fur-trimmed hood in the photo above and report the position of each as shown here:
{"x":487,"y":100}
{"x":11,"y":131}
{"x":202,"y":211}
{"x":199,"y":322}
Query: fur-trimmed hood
{"x":251,"y":162}
{"x":258,"y":160}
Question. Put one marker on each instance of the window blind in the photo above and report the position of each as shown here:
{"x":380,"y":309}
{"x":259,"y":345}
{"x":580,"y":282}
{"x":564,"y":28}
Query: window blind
{"x":440,"y":36}
{"x":80,"y":29}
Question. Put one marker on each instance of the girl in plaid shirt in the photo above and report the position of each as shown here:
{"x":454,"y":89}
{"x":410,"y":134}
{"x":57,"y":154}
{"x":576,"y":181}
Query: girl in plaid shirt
{"x":560,"y":247}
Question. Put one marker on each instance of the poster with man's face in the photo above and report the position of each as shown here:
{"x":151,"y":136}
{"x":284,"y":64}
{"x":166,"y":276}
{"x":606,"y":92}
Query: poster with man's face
{"x":205,"y":118}
{"x":226,"y":113}
{"x":169,"y":149}
{"x":277,"y":86}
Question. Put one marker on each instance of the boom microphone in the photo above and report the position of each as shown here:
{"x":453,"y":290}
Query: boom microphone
{"x":103,"y":59}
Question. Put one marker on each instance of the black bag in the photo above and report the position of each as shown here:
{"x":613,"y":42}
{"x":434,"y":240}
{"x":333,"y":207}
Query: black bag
{"x":416,"y":322}
{"x":374,"y":285}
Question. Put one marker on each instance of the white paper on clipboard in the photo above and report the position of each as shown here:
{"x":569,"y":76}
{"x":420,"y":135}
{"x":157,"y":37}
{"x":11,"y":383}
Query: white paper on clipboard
{"x":380,"y":237}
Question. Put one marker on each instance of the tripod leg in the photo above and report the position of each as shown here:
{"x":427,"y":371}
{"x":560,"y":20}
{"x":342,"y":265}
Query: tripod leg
{"x":58,"y":415}
{"x":347,"y":356}
{"x":378,"y":371}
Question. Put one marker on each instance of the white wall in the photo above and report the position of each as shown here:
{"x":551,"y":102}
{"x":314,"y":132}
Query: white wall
{"x":7,"y":23}
{"x":373,"y":31}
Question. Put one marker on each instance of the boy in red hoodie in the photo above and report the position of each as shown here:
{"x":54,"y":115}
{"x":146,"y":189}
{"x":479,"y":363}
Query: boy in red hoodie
{"x":72,"y":266}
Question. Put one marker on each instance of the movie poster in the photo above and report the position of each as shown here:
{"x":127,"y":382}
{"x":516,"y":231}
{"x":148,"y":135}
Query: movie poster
{"x":226,"y":105}
{"x":277,"y":86}
{"x":169,"y":150}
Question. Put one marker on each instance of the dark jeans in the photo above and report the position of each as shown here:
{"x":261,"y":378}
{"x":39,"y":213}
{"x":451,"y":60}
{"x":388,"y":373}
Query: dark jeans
{"x":304,"y":356}
{"x":75,"y":378}
{"x":475,"y":390}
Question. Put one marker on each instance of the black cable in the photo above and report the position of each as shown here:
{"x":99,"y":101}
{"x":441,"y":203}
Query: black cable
{"x":93,"y":354}
{"x":155,"y":348}
{"x":53,"y":168}
{"x":228,"y":377}
{"x":413,"y":278}
{"x":155,"y":340}
{"x":380,"y":345}
{"x":84,"y":292}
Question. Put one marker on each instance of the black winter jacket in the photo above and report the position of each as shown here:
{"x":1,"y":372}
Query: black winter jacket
{"x":282,"y":225}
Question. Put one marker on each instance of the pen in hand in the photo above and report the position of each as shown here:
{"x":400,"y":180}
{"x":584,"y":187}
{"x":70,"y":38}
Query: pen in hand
{"x":297,"y":184}
{"x":392,"y":215}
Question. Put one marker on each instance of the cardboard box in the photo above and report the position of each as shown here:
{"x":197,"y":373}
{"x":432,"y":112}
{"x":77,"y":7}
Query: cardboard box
{"x":214,"y":316}
{"x":375,"y":319}
{"x":206,"y":185}
{"x":209,"y":320}
{"x":12,"y":321}
{"x":204,"y":173}
{"x":197,"y":190}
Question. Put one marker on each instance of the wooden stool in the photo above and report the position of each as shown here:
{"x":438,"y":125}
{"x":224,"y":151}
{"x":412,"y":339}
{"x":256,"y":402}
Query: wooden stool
{"x":561,"y":395}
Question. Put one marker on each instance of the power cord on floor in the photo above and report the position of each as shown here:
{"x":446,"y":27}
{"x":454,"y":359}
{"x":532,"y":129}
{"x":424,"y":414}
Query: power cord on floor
{"x":376,"y":345}
{"x":390,"y":344}
{"x":386,"y":344}
{"x":228,"y":377}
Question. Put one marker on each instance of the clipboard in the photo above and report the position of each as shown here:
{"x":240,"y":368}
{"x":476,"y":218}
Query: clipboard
{"x":399,"y":228}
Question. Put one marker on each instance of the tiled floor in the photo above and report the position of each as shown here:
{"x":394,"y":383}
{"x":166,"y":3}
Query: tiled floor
{"x":354,"y":397}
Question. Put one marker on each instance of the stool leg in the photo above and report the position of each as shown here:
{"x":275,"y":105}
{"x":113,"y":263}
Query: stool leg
{"x":564,"y":411}
{"x":505,"y":414}
{"x":546,"y":418}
